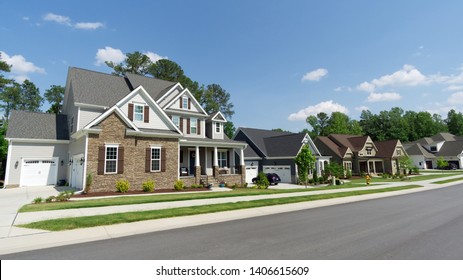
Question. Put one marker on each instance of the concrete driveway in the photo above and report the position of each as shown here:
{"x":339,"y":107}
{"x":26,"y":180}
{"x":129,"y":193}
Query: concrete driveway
{"x":12,"y":199}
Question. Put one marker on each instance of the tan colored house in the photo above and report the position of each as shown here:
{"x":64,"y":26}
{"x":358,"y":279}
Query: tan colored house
{"x":132,"y":127}
{"x":360,"y":154}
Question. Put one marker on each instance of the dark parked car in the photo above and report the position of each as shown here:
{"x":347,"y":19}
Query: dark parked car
{"x":271,"y":177}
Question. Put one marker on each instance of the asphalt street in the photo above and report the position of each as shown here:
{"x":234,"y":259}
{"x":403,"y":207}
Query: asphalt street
{"x":424,"y":225}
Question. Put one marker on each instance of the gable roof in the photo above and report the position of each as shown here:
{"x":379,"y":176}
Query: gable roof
{"x":156,"y":88}
{"x":95,"y":88}
{"x":327,"y":146}
{"x":451,"y":148}
{"x":33,"y":125}
{"x":354,"y":142}
{"x":90,"y":87}
{"x":416,"y":149}
{"x":386,"y":148}
{"x":271,"y":143}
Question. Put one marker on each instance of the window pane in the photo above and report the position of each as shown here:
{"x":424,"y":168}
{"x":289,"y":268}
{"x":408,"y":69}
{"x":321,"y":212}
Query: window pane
{"x":155,"y":165}
{"x":155,"y":159}
{"x":110,"y":166}
{"x":111,"y":153}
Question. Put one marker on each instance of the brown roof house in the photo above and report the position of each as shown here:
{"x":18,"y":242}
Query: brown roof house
{"x":132,"y":127}
{"x":361,"y":154}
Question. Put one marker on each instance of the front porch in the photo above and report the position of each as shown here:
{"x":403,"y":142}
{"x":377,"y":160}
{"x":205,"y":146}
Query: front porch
{"x":206,"y":164}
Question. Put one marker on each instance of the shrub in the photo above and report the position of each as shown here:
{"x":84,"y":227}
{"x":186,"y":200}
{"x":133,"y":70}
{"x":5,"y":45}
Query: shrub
{"x":179,"y":185}
{"x":415,"y":170}
{"x":49,"y":199}
{"x":37,"y":200}
{"x":338,"y":182}
{"x":88,"y":182}
{"x":348,"y":174}
{"x":122,"y":185}
{"x":262,"y":181}
{"x":148,"y":186}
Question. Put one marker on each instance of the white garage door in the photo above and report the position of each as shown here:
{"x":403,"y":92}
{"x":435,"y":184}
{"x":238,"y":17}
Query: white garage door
{"x":284,"y":171}
{"x":39,"y":172}
{"x":251,"y":172}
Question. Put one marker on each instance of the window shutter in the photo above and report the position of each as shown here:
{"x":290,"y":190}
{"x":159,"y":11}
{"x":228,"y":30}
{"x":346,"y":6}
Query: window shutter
{"x":198,"y":129}
{"x":120,"y":160}
{"x":181,"y":156}
{"x":188,"y":126}
{"x":147,"y":114}
{"x":181,"y":102}
{"x":101,"y":159}
{"x":148,"y":160}
{"x":189,"y":103}
{"x":228,"y":158}
{"x":131,"y":111}
{"x":181,"y":125}
{"x":163,"y":159}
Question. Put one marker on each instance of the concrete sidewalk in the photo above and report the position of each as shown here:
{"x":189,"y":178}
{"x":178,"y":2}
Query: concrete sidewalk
{"x":20,"y":239}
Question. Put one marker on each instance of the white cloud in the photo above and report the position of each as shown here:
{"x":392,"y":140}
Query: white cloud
{"x":20,"y":67}
{"x":456,"y":98}
{"x":64,"y":20}
{"x":362,"y":108}
{"x":315,"y":75}
{"x":326,"y":107}
{"x":343,"y":88}
{"x":154,"y":56}
{"x":89,"y":25}
{"x":26,"y":18}
{"x":453,"y":88}
{"x":407,"y":76}
{"x":58,"y":19}
{"x":109,"y":54}
{"x":381,"y":97}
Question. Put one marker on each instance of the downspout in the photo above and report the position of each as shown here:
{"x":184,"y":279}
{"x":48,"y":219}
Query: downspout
{"x":8,"y":163}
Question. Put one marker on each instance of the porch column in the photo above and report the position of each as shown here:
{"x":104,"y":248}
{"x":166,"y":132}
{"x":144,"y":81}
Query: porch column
{"x":216,"y":163}
{"x":232,"y":161}
{"x":197,"y":166}
{"x":242,"y":168}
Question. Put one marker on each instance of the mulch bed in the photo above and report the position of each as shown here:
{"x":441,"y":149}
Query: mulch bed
{"x":97,"y":194}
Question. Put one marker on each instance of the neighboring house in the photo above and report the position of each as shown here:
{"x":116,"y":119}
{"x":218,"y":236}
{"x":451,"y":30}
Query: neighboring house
{"x":274,"y":152}
{"x":133,"y":127}
{"x":360,"y":154}
{"x":425,"y":151}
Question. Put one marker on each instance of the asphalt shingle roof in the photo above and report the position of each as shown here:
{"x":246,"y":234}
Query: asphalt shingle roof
{"x":156,"y":88}
{"x":32,"y":125}
{"x":257,"y":136}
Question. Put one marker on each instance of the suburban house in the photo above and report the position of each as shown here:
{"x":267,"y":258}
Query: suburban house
{"x":274,"y":152}
{"x":132,"y":127}
{"x":425,"y":151}
{"x":360,"y":154}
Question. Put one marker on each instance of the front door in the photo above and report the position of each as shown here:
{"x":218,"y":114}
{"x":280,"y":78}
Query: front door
{"x":192,"y":162}
{"x":77,"y":178}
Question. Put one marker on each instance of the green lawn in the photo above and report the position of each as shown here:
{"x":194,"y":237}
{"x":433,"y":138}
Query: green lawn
{"x":110,"y":219}
{"x":448,"y":181}
{"x":126,"y":200}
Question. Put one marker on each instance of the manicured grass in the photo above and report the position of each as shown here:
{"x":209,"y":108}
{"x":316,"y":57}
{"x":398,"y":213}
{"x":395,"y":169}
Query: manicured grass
{"x":447,"y":181}
{"x":416,"y":178}
{"x":110,"y":219}
{"x":127,"y":200}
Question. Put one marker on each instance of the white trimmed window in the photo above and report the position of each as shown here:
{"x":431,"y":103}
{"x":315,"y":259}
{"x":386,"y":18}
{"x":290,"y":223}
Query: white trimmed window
{"x":193,"y":126}
{"x":155,"y":159}
{"x":138,"y":112}
{"x":185,"y":102}
{"x":176,"y":121}
{"x":222,"y":159}
{"x":217,"y":127}
{"x":111,"y":159}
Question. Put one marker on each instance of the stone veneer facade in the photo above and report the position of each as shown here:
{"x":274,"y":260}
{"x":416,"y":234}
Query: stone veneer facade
{"x":113,"y":131}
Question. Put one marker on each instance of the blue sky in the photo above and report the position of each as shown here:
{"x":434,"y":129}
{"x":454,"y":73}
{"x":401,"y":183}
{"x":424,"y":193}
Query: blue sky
{"x":280,"y":60}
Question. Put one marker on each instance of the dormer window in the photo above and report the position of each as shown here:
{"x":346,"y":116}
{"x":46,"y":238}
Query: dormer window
{"x":217,"y":127}
{"x":138,"y":112}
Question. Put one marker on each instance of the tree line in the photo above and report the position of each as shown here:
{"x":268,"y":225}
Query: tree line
{"x":396,"y":123}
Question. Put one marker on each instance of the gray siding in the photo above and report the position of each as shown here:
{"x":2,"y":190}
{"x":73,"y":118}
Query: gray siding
{"x":20,"y":151}
{"x":87,"y":115}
